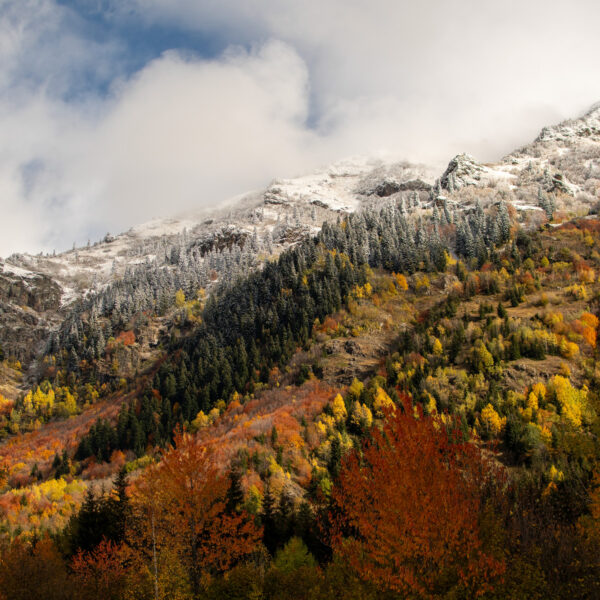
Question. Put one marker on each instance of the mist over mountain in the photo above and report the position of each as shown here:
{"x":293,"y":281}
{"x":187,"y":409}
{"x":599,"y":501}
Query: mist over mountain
{"x":113,"y":113}
{"x":561,"y":162}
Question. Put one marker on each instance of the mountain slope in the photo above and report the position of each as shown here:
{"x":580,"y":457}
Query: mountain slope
{"x":558,"y":171}
{"x":274,"y":387}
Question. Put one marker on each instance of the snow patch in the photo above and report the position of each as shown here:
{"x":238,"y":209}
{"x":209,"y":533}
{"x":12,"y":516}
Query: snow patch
{"x":18,"y":271}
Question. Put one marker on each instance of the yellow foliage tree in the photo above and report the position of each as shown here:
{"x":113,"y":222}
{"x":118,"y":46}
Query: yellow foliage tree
{"x":200,"y":421}
{"x":361,"y":416}
{"x":491,"y":421}
{"x":450,"y":262}
{"x":401,"y":281}
{"x":356,"y":388}
{"x":568,"y":349}
{"x":482,"y":358}
{"x":532,"y":402}
{"x":554,"y":474}
{"x":571,"y":401}
{"x":430,"y":406}
{"x":422,"y":283}
{"x":577,"y":291}
{"x":539,"y":389}
{"x":339,"y":409}
{"x":179,"y":298}
{"x":381,"y":401}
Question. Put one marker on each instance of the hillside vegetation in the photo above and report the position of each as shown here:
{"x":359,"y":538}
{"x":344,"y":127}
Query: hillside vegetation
{"x":391,"y":409}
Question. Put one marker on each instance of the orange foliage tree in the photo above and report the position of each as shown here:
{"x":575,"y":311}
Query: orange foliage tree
{"x":587,"y":326}
{"x":186,"y":502}
{"x":127,"y":338}
{"x":405,"y":512}
{"x":4,"y":471}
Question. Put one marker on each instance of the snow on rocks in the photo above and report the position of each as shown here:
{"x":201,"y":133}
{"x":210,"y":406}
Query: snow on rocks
{"x":586,"y":127}
{"x":17,"y":271}
{"x":332,"y":188}
{"x":462,"y":170}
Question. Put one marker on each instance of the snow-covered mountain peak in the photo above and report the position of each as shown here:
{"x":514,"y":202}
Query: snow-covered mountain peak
{"x":345,"y":185}
{"x":562,"y":161}
{"x":331,"y":187}
{"x":587,"y":126}
{"x":559,"y":172}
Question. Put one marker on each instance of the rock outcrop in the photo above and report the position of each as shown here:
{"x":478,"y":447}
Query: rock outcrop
{"x":462,"y":170}
{"x":29,"y":310}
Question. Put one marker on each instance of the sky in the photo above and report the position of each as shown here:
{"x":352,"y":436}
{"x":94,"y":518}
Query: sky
{"x":114,"y":112}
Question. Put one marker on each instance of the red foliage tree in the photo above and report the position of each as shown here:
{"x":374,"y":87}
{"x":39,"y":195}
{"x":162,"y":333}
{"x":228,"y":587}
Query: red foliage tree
{"x":101,"y":573}
{"x":127,"y":338}
{"x":406,"y":511}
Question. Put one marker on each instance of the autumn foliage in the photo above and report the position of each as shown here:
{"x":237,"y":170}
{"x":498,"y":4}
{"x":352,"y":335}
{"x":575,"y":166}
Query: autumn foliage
{"x":127,"y":338}
{"x":406,"y":511}
{"x":102,"y":572}
{"x":184,"y":500}
{"x":33,"y":572}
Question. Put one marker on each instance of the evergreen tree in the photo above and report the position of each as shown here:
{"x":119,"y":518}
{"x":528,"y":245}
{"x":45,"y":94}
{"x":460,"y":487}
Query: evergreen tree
{"x":335,"y":458}
{"x":503,"y":222}
{"x":118,"y":508}
{"x":235,"y":494}
{"x":268,"y":522}
{"x":284,"y":518}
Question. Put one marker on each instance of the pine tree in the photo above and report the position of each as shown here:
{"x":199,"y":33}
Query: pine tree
{"x":235,"y":494}
{"x":118,"y":508}
{"x":503,"y":222}
{"x":335,"y":458}
{"x":268,"y":521}
{"x":284,"y":518}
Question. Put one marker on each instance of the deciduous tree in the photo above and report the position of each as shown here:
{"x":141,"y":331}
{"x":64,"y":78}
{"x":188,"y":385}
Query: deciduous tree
{"x":406,"y":511}
{"x":191,"y":511}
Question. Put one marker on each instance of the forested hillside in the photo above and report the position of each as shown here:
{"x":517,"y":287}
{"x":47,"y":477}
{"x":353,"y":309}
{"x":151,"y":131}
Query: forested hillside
{"x":476,"y":420}
{"x":401,"y":404}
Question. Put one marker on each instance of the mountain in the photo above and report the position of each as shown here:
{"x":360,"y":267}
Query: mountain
{"x":224,"y":404}
{"x":36,"y":291}
{"x":259,"y":222}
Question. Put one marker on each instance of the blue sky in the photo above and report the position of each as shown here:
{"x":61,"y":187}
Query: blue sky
{"x":113,"y":112}
{"x":138,"y":41}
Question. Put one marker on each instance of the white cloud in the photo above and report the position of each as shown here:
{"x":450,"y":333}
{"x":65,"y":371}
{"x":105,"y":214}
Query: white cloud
{"x":187,"y":132}
{"x":182,"y":133}
{"x":316,"y":81}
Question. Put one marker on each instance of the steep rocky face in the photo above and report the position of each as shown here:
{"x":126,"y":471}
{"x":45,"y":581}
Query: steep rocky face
{"x":564,"y":160}
{"x":387,"y":180}
{"x":37,"y":292}
{"x":387,"y":187}
{"x":29,"y":310}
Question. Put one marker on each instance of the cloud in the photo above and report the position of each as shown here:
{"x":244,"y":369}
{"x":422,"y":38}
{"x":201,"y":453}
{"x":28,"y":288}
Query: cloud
{"x":186,"y":133}
{"x":183,"y":133}
{"x":87,"y":145}
{"x":474,"y":72}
